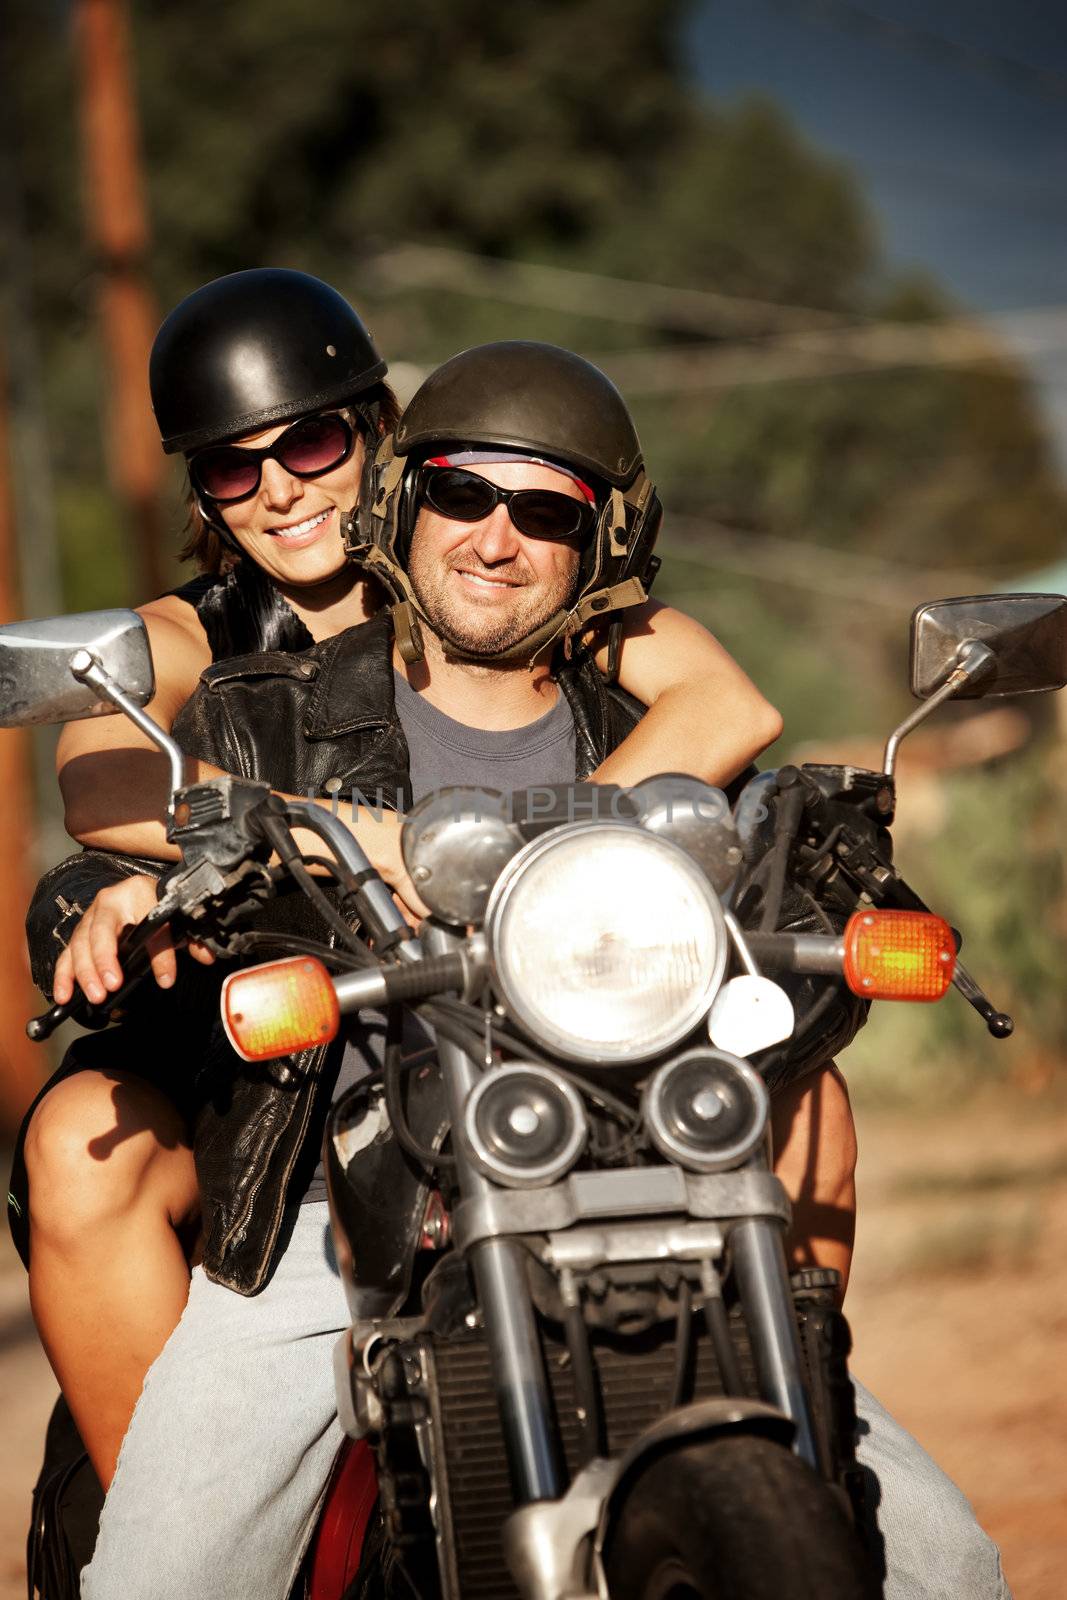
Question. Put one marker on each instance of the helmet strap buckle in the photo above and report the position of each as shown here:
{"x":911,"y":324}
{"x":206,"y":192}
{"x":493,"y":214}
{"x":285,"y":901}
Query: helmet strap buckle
{"x":618,"y":533}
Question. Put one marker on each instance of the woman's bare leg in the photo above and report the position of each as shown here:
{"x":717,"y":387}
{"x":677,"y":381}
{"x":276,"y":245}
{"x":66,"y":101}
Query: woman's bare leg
{"x":113,"y":1205}
{"x":815,"y":1157}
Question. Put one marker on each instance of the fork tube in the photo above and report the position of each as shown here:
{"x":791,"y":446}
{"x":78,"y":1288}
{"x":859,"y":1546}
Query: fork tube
{"x":758,"y":1258}
{"x":530,"y":1437}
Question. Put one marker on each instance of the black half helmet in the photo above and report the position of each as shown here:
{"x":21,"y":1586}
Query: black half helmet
{"x":252,"y":349}
{"x":517,"y":395}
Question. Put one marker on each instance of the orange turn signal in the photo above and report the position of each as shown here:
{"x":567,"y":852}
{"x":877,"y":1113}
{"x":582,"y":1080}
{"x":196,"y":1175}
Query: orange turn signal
{"x":279,"y":1007}
{"x":898,"y":955}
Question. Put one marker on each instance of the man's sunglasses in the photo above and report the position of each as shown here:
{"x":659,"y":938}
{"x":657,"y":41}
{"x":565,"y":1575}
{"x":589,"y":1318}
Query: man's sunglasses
{"x":464,"y":496}
{"x":227,"y":473}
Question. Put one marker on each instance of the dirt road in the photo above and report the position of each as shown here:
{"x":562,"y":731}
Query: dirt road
{"x":27,"y":1390}
{"x":958,"y":1306}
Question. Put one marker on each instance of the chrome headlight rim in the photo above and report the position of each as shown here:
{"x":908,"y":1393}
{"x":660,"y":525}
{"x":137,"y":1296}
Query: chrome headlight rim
{"x":686,"y":1155}
{"x":497,"y":1168}
{"x":554,"y":1040}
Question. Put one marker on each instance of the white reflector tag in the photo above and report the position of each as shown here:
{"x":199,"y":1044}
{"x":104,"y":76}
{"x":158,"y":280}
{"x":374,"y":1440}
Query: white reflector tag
{"x":750,"y":1014}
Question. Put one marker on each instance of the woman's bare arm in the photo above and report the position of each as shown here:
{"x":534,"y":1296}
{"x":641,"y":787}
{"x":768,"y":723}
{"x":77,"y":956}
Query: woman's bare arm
{"x":115,"y":783}
{"x":705,"y":715}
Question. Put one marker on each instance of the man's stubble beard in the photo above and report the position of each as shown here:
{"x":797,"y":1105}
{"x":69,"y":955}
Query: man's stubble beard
{"x":469,"y":630}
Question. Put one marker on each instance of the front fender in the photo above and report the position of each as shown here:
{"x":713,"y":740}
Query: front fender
{"x":702,"y":1419}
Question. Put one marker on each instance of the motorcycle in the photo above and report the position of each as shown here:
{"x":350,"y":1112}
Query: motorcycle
{"x":578,"y":1366}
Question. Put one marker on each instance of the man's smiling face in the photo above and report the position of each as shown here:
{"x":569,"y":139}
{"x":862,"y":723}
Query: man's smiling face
{"x":484,"y":586}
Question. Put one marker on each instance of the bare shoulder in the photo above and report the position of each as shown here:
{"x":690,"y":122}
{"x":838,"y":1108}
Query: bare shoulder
{"x":180,"y":653}
{"x":171,"y":612}
{"x":180,"y":646}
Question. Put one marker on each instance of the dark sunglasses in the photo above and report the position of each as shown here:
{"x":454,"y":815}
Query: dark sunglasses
{"x":539,"y":513}
{"x":227,"y":473}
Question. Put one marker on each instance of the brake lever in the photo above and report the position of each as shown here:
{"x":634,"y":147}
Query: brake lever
{"x":901,"y":895}
{"x":1000,"y":1025}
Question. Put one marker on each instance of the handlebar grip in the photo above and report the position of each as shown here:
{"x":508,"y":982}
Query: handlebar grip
{"x":134,"y":963}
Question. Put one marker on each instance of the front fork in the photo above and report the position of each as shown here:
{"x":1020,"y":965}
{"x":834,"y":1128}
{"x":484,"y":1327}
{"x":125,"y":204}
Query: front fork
{"x":531,"y":1439}
{"x":758,"y":1252}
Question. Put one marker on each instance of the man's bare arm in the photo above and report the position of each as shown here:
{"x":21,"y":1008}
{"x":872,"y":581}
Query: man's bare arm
{"x":705,"y":714}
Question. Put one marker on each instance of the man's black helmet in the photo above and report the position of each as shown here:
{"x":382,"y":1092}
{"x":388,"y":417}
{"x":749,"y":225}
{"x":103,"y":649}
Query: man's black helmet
{"x":526,"y":396}
{"x":536,"y":398}
{"x":252,"y":349}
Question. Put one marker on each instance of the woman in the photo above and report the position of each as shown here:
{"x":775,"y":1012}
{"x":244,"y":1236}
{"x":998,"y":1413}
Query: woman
{"x":271,"y":387}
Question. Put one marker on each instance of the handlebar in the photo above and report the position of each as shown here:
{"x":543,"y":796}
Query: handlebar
{"x":225,"y":826}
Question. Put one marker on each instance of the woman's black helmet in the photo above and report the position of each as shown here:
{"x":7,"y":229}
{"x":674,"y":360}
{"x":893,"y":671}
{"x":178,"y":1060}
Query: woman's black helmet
{"x":252,"y":349}
{"x":536,"y":398}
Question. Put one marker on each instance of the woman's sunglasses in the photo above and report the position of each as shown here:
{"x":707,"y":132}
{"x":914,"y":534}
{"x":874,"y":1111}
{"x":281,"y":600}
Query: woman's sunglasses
{"x":464,"y":496}
{"x":227,"y":473}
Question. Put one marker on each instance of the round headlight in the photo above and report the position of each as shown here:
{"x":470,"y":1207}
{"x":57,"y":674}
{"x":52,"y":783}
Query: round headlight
{"x":524,"y":1125}
{"x":607,"y":943}
{"x":707,"y":1110}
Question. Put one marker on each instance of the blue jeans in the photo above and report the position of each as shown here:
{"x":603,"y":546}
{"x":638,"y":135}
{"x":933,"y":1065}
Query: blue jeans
{"x":223,"y":1469}
{"x":932,"y":1547}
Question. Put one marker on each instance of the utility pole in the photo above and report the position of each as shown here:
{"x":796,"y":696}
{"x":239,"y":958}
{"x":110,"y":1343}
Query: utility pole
{"x":21,"y":1063}
{"x":117,"y":223}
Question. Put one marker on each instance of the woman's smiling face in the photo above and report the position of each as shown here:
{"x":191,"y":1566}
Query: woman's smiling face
{"x":291,"y":527}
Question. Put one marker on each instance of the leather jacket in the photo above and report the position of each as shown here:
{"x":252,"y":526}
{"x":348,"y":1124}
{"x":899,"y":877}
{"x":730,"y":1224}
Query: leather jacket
{"x":298,"y":722}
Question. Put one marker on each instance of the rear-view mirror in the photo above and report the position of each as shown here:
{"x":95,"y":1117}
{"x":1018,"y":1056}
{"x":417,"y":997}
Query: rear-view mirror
{"x":1026,"y":633}
{"x":36,"y":681}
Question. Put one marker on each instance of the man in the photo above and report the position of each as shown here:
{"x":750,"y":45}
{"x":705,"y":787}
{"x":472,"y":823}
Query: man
{"x":510,"y":507}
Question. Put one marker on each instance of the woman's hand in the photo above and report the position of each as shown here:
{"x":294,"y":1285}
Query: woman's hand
{"x":91,"y":959}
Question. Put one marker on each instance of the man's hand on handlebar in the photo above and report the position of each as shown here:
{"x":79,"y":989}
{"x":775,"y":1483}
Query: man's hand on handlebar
{"x":379,"y":834}
{"x":91,"y":959}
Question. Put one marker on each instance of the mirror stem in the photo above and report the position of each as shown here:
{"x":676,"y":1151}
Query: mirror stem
{"x":85,"y":667}
{"x":974,"y":660}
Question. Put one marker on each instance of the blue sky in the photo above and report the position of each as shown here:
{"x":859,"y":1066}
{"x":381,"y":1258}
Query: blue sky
{"x":961,"y":148}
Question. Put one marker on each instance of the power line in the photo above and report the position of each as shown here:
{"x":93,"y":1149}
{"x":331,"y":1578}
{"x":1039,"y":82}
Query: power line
{"x":593,"y":294}
{"x":840,"y":353}
{"x":970,"y":186}
{"x":925,"y":45}
{"x":823,"y":346}
{"x":703,"y":369}
{"x":822,"y":569}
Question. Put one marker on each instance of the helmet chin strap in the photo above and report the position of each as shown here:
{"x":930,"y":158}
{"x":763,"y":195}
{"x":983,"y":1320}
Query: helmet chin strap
{"x":408,"y":616}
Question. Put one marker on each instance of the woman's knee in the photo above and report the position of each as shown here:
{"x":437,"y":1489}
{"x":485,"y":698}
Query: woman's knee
{"x":97,"y":1145}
